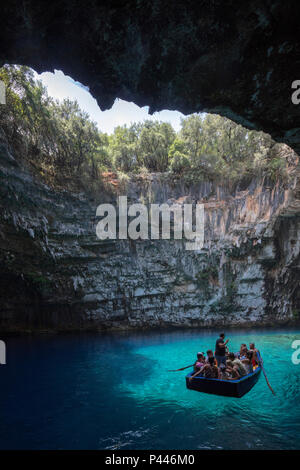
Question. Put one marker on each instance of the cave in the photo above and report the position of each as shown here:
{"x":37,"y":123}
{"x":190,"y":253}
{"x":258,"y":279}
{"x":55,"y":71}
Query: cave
{"x":98,"y":320}
{"x":187,"y":56}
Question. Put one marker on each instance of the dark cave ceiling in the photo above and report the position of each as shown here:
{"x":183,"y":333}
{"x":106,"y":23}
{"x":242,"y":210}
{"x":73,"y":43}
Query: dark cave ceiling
{"x":237,"y":59}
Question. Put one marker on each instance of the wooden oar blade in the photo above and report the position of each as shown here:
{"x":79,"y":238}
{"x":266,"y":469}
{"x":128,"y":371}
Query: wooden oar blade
{"x":262,"y":368}
{"x":268,"y":383}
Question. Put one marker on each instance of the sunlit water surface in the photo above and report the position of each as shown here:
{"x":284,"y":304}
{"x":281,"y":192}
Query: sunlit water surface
{"x":113,"y":391}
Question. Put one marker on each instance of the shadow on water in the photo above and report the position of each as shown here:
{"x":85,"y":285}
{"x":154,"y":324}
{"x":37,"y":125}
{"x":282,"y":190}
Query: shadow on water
{"x":58,"y":391}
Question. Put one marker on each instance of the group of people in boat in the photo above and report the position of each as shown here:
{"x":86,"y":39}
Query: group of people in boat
{"x":226,"y":365}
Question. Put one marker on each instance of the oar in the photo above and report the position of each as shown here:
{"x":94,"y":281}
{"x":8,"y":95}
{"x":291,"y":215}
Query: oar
{"x":262,"y":367}
{"x":182,"y":368}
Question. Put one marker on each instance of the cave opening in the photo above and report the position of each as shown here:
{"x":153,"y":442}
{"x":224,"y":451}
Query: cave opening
{"x":59,"y":128}
{"x":61,"y":161}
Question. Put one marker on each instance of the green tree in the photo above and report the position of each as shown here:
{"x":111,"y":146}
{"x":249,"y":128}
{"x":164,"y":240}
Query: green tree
{"x":123,"y":148}
{"x":154,"y":143}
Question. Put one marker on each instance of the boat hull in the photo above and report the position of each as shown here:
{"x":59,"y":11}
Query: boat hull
{"x":226,"y":388}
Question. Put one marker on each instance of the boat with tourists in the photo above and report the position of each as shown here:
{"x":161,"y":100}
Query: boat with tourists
{"x":226,"y":373}
{"x":228,"y":388}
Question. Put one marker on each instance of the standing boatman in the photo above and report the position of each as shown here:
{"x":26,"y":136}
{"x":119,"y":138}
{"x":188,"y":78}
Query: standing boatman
{"x":220,"y":352}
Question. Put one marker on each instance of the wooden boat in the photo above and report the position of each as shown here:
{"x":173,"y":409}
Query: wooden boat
{"x":226,"y":388}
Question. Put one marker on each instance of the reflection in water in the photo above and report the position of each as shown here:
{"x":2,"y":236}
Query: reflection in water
{"x":113,"y":391}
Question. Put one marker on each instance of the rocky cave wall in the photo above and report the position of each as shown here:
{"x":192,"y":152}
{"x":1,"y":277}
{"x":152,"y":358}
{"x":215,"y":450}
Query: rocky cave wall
{"x":56,"y":275}
{"x":236,"y":59}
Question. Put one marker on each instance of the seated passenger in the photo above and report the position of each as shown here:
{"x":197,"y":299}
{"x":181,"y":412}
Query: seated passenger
{"x":224,"y":372}
{"x":243,"y":351}
{"x":200,"y":362}
{"x":255,"y":360}
{"x":210,"y":370}
{"x":237,"y":364}
{"x":233,"y":372}
{"x":211,"y":354}
{"x":247,"y":362}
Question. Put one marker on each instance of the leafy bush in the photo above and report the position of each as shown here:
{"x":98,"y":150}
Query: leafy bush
{"x":180,"y":163}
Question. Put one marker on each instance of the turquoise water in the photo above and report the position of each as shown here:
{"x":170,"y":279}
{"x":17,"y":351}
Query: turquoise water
{"x":113,"y":391}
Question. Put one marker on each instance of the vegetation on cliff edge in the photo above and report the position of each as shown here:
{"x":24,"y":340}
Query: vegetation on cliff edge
{"x":64,"y":144}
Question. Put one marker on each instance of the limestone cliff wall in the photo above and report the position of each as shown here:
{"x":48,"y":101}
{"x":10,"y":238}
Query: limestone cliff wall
{"x":55,"y":273}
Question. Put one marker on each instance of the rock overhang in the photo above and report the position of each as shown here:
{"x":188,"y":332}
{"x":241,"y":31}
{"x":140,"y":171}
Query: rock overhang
{"x":237,"y":60}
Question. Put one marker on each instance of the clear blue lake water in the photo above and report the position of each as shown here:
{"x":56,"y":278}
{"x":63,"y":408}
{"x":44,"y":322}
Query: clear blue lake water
{"x":113,"y":391}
